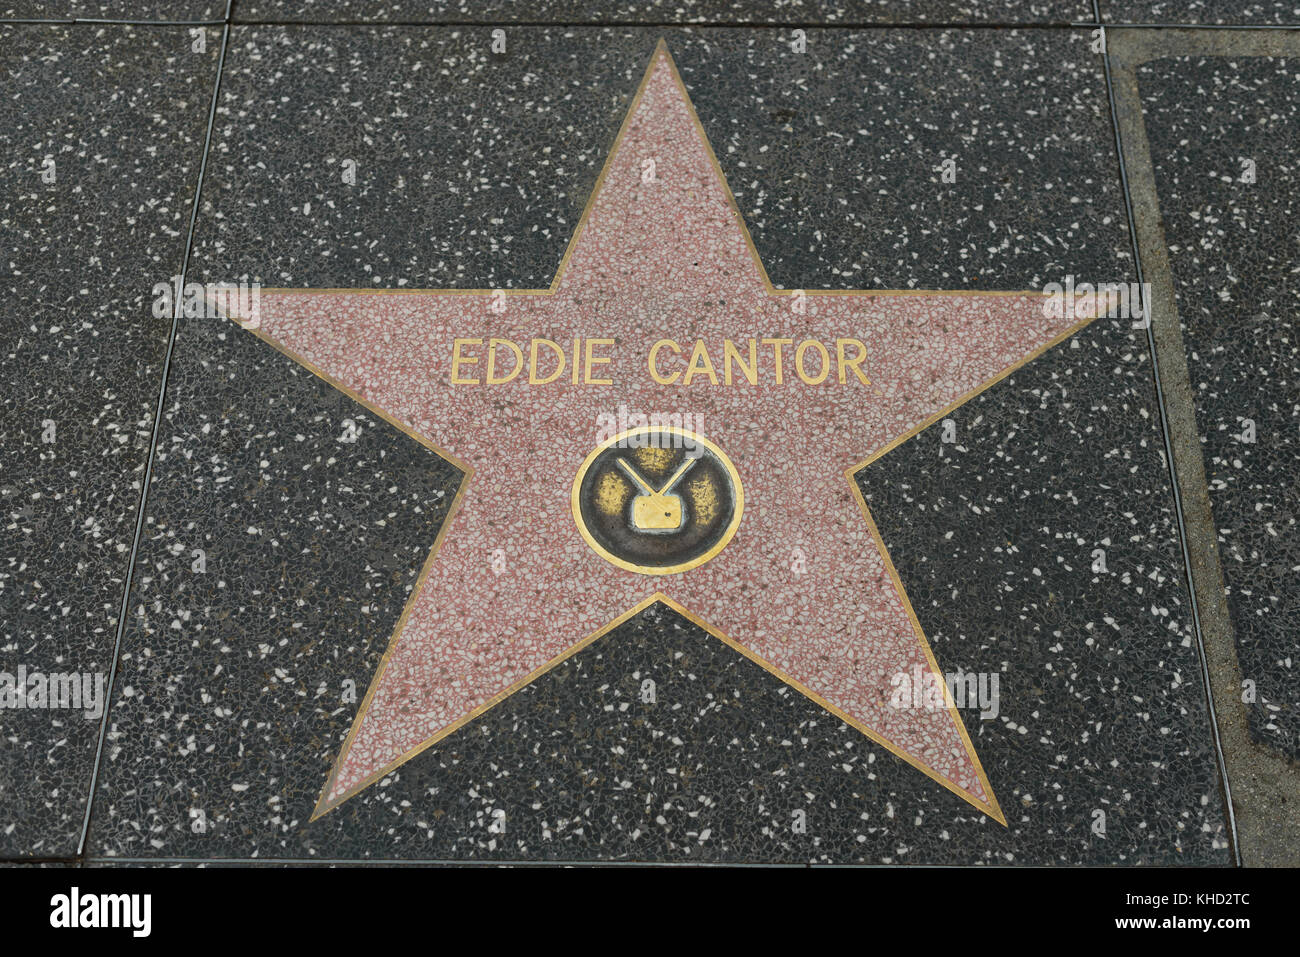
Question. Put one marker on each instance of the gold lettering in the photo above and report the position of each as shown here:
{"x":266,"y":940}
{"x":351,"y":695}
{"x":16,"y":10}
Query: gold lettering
{"x":700,"y":363}
{"x":654,"y":369}
{"x":730,"y":353}
{"x":492,"y":361}
{"x":596,"y":361}
{"x":798,"y":361}
{"x":532,"y":361}
{"x":777,"y":345}
{"x":846,"y":363}
{"x":457,"y":360}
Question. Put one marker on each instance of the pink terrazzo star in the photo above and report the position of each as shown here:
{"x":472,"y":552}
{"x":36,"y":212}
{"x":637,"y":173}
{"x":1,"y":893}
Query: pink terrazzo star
{"x":512,"y":587}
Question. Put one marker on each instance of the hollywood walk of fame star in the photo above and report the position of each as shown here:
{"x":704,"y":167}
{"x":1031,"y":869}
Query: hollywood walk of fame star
{"x":513,"y":585}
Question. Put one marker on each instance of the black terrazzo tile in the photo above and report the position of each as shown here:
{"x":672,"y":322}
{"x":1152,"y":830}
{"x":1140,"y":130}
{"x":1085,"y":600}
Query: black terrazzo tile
{"x":1108,"y":715}
{"x":1213,"y":12}
{"x":150,"y":9}
{"x":841,"y":189}
{"x":122,"y":112}
{"x":1234,"y":250}
{"x":232,"y":682}
{"x":37,"y":865}
{"x":995,"y":538}
{"x":36,"y":9}
{"x":180,"y":10}
{"x":714,"y":770}
{"x":834,"y":155}
{"x":755,"y":12}
{"x":471,"y":170}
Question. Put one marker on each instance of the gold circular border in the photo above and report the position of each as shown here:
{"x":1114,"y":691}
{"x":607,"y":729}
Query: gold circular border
{"x":698,"y":560}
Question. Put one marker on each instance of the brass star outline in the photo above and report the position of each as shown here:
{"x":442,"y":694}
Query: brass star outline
{"x":991,"y":808}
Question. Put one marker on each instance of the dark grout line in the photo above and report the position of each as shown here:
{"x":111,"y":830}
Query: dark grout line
{"x":1203,"y":26}
{"x":653,"y":24}
{"x":511,"y":862}
{"x":1171,"y":468}
{"x":151,"y":23}
{"x":752,"y":25}
{"x":74,"y":21}
{"x":577,"y":24}
{"x":669,"y":24}
{"x":19,"y":861}
{"x":124,"y":610}
{"x":713,"y":25}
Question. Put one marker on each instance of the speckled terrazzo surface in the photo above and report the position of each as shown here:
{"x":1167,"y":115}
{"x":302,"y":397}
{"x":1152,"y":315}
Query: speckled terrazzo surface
{"x":288,"y":522}
{"x":995,"y":536}
{"x":163,"y":10}
{"x":80,"y":361}
{"x":1233,"y":249}
{"x":248,"y":199}
{"x":718,"y":768}
{"x":793,"y":12}
{"x":878,"y":114}
{"x":1220,"y":12}
{"x":836,"y":626}
{"x":313,"y":518}
{"x":796,"y":12}
{"x":782,"y":125}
